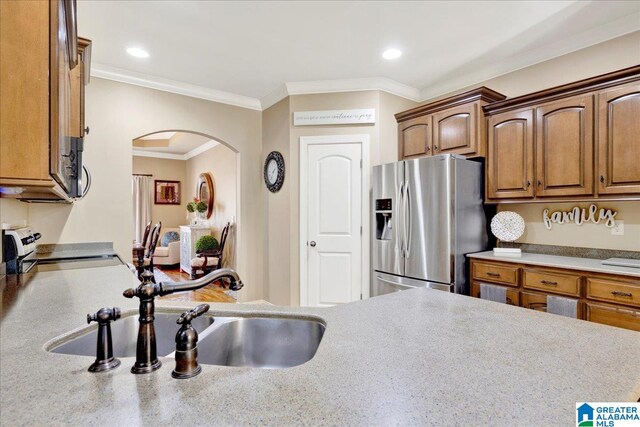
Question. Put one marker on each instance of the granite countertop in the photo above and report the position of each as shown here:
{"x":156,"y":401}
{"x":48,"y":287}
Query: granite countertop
{"x":418,"y":357}
{"x":574,"y":263}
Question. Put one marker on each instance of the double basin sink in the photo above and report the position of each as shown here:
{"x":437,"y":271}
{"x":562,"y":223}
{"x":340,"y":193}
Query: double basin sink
{"x":259,"y":342}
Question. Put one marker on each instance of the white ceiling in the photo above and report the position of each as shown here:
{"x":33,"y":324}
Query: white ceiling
{"x":253,"y":53}
{"x":174,"y":145}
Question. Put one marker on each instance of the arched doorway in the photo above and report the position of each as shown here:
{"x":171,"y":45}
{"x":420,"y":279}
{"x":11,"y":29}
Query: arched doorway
{"x":172,"y":163}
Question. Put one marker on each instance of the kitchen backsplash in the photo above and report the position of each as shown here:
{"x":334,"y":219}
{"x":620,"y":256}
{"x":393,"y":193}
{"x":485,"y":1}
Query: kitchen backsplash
{"x":587,"y":235}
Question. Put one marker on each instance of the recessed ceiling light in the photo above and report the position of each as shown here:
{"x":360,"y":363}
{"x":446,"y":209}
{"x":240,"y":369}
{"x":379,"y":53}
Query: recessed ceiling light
{"x":137,"y":52}
{"x":392,"y":54}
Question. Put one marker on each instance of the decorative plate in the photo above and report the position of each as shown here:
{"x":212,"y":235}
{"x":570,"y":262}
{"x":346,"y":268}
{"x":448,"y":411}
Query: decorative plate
{"x":507,"y":226}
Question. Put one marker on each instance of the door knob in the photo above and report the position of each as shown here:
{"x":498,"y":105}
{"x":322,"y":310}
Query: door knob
{"x":312,"y":244}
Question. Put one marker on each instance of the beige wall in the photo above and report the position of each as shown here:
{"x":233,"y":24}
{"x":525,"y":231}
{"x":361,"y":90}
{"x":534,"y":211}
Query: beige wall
{"x":118,"y":113}
{"x":612,"y":55}
{"x":220,"y":162}
{"x":277,"y":250}
{"x":172,"y":216}
{"x":389,"y":106}
{"x":13,"y":213}
{"x":587,"y":235}
{"x":283,"y":220}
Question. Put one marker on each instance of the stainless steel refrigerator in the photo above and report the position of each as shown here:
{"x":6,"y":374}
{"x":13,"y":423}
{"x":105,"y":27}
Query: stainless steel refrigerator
{"x":428,"y":213}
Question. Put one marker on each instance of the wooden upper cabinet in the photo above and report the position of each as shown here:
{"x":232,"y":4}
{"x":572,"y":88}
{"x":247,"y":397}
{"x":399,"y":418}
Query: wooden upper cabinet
{"x":24,"y":104}
{"x":79,"y":79}
{"x":586,"y":139}
{"x":564,"y":147}
{"x":619,"y":140}
{"x":453,"y":125}
{"x":510,"y":155}
{"x":414,"y":137}
{"x":39,"y":82}
{"x":455,"y":130}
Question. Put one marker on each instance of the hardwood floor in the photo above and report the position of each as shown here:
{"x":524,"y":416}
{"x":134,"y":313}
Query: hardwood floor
{"x":211,"y":293}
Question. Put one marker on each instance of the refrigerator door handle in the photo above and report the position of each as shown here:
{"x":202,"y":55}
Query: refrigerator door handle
{"x":399,"y":242}
{"x":407,"y":219}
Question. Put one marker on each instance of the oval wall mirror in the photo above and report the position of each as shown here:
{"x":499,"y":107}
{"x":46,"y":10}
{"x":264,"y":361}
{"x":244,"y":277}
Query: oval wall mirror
{"x":205,"y":192}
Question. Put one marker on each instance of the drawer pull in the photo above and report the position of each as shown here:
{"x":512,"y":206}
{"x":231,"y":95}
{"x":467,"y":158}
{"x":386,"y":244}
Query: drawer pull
{"x":493,"y":274}
{"x":622,"y":294}
{"x":548,"y":282}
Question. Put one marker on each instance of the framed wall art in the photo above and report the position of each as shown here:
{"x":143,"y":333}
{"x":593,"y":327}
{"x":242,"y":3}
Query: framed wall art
{"x":166,"y":192}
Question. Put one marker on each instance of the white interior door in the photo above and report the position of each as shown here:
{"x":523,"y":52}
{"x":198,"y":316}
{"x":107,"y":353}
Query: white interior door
{"x":335,"y":198}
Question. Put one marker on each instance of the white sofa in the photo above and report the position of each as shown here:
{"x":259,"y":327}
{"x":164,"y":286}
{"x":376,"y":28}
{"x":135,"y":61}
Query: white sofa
{"x":167,"y":255}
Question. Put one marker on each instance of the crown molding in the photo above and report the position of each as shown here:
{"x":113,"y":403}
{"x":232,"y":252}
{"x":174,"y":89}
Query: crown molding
{"x":140,"y":79}
{"x":157,"y":154}
{"x":335,"y":86}
{"x":274,"y":97}
{"x":200,"y":149}
{"x":174,"y":156}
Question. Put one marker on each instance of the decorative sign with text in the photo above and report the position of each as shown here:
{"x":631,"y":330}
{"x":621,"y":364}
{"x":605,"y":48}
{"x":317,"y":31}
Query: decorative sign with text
{"x":580,"y":216}
{"x":334,"y":117}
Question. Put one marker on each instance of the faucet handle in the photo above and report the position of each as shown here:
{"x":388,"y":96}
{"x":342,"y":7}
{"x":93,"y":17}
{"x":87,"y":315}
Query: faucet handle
{"x":105,"y":315}
{"x":104,"y":347}
{"x":188,"y":316}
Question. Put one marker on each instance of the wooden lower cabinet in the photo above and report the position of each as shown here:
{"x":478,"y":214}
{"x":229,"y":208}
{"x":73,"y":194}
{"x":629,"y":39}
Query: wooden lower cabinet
{"x":495,"y":273}
{"x":611,"y":315}
{"x":534,"y":301}
{"x":602,"y":298}
{"x":512,"y":294}
{"x":614,"y":291}
{"x":554,"y":282}
{"x":539,"y":302}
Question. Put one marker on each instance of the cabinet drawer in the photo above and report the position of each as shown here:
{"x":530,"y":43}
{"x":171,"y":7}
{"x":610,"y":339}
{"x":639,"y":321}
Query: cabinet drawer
{"x":503,"y":274}
{"x":539,"y":302}
{"x":513,"y":296}
{"x":613,"y":291}
{"x":565,"y":284}
{"x":614,"y":316}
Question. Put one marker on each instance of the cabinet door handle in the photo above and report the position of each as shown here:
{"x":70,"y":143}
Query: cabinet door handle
{"x":602,"y":179}
{"x":435,"y":147}
{"x":539,"y":183}
{"x":528,"y":183}
{"x":622,"y":294}
{"x":548,"y":282}
{"x":493,"y":274}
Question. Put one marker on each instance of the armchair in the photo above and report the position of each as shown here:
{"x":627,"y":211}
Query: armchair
{"x":170,"y":254}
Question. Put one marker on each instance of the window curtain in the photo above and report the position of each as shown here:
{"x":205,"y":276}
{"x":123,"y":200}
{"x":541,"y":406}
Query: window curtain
{"x":141,"y":186}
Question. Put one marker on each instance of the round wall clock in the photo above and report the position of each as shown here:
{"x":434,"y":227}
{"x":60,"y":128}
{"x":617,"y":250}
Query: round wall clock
{"x":274,"y":171}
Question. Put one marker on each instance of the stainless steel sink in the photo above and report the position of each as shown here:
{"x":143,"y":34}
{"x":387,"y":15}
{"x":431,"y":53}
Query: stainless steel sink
{"x":124,"y":333}
{"x":260,"y":342}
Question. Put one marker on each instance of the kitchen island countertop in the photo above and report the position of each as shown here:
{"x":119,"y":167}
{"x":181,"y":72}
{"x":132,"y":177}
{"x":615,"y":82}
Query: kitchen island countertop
{"x":417,"y":357}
